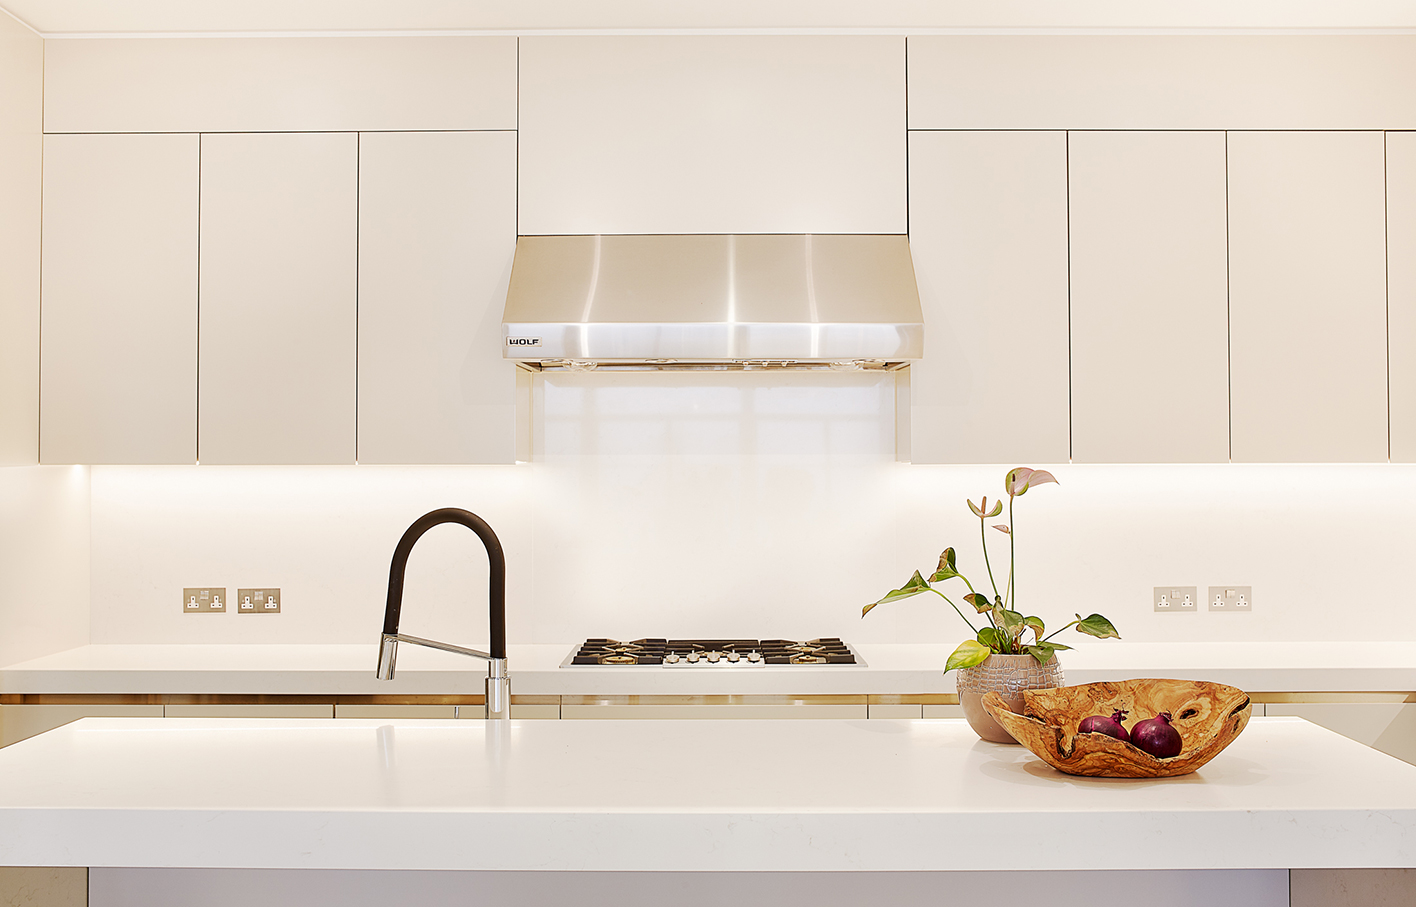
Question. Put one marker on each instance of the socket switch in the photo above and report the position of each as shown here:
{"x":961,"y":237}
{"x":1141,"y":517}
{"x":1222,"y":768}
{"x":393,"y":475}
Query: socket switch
{"x":204,"y":599}
{"x":258,"y":601}
{"x":1176,"y":599}
{"x":1232,"y":599}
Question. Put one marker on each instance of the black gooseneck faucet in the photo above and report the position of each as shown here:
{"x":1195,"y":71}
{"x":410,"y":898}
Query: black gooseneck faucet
{"x":498,"y":682}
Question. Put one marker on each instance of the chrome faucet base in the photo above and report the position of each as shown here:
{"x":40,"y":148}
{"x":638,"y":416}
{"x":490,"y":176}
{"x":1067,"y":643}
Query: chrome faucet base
{"x":388,"y":656}
{"x":498,"y":689}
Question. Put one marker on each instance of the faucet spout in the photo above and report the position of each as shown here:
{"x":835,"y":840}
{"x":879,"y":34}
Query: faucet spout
{"x":498,"y":689}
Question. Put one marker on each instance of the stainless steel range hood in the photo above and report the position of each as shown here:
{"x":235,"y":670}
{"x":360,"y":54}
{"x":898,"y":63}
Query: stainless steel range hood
{"x":824,"y":301}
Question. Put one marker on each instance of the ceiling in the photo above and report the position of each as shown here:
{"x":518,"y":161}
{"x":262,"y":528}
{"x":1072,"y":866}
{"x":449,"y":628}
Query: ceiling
{"x":88,"y":17}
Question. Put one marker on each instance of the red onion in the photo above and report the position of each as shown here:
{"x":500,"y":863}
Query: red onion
{"x":1100,"y":724}
{"x":1156,"y":736}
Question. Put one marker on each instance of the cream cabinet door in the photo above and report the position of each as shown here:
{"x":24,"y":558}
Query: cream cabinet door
{"x":279,"y":238}
{"x":1175,"y":81}
{"x":214,"y":83}
{"x":712,"y":134}
{"x":271,"y":710}
{"x":437,"y":230}
{"x":119,"y":344}
{"x":1149,"y":315}
{"x":21,"y":186}
{"x":988,"y":232}
{"x":1401,"y":291}
{"x":1307,"y":297}
{"x":396,"y":711}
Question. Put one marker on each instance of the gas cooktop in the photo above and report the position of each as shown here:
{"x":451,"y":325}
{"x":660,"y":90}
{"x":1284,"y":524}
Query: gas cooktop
{"x":711,"y":653}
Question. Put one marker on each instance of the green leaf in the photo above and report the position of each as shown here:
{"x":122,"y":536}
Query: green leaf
{"x":979,"y":601}
{"x":989,"y":637}
{"x":1097,"y":626}
{"x":946,"y":567}
{"x":1059,"y":647}
{"x":1011,"y":621}
{"x":915,"y":586}
{"x":969,"y":653}
{"x":1043,"y":652}
{"x":997,"y":509}
{"x":1037,"y":626}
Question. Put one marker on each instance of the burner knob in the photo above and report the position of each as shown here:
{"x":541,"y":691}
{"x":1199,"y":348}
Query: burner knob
{"x":693,"y":658}
{"x":754,"y":657}
{"x":713,"y":657}
{"x":671,"y":658}
{"x":734,"y":657}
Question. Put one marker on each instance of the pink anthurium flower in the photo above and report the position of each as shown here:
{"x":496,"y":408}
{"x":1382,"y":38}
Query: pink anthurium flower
{"x":1019,"y":480}
{"x":982,"y":511}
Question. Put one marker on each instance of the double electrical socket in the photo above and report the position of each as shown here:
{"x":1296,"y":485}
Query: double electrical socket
{"x":1175,"y":598}
{"x":212,"y":599}
{"x":204,"y":600}
{"x":1232,"y":599}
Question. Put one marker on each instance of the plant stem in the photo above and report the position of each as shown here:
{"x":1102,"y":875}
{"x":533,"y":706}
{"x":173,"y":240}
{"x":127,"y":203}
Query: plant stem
{"x":1012,"y":555}
{"x":983,"y":540}
{"x":955,"y":607}
{"x":1055,"y":632}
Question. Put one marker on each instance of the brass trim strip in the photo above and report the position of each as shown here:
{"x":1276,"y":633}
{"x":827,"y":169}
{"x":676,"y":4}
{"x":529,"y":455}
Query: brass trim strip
{"x":859,"y":699}
{"x":677,"y":700}
{"x":1319,"y":696}
{"x":913,"y":699}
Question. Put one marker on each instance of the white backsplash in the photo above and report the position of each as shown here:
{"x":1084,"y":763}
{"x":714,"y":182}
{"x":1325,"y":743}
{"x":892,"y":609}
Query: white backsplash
{"x":752,"y":504}
{"x":44,"y":560}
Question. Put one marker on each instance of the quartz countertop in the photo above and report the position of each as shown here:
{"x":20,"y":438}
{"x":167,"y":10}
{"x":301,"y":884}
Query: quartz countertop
{"x":535,"y":670}
{"x":678,"y":796}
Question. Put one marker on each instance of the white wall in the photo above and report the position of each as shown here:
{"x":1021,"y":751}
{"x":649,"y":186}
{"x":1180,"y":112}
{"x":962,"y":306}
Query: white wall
{"x":21,"y":163}
{"x":751,"y":504}
{"x":44,"y":560}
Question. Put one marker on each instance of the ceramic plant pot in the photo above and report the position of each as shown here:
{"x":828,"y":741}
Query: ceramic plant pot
{"x":1008,"y":676}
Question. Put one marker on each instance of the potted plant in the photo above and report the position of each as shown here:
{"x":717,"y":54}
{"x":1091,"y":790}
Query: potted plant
{"x":999,"y":657}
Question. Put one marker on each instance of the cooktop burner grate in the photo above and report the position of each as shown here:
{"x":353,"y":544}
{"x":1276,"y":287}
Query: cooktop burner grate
{"x":725,"y":653}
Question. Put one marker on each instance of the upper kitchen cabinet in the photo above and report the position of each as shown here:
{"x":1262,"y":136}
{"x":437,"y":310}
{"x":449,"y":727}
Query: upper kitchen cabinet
{"x":747,"y":134}
{"x":1212,"y":82}
{"x":988,"y":232}
{"x":279,"y":234}
{"x":119,"y":347}
{"x":21,"y":167}
{"x":279,"y":84}
{"x":1150,"y":336}
{"x":1307,"y":291}
{"x":437,"y":230}
{"x":1401,"y":291}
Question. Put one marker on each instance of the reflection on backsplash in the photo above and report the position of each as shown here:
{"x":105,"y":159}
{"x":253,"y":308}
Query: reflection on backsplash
{"x":763,"y":505}
{"x":716,"y":414}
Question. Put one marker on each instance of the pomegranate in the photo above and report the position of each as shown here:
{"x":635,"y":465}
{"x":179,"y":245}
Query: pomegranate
{"x":1156,"y":736}
{"x":1100,"y":724}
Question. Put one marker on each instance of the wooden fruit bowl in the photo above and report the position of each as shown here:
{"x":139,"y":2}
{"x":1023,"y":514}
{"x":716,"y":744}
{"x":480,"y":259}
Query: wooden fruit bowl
{"x":1207,"y":715}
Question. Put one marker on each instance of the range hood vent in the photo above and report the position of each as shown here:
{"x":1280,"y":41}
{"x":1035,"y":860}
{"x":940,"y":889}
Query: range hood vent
{"x":713,"y":302}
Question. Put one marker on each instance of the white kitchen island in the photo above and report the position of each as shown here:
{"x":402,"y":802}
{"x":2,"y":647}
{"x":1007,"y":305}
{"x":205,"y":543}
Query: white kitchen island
{"x":891,"y":799}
